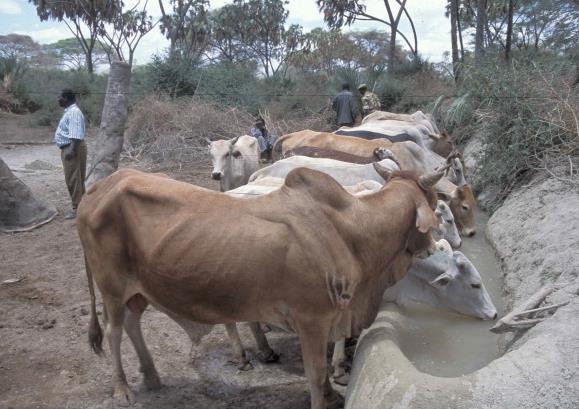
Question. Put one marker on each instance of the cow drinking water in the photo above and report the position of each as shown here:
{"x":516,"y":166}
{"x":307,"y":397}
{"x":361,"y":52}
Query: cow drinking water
{"x":292,"y":258}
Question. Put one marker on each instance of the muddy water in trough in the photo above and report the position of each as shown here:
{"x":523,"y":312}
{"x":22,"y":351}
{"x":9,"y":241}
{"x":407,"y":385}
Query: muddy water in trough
{"x":448,"y":345}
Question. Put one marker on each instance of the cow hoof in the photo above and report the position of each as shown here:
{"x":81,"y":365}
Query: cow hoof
{"x":342,"y":379}
{"x":245,"y":366}
{"x":123,"y":395}
{"x":270,"y":358}
{"x":152,"y":382}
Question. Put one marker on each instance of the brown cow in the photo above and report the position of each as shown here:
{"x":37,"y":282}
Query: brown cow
{"x":309,"y":257}
{"x":409,"y":156}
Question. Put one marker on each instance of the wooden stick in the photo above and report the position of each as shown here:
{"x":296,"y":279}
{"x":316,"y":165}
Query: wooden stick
{"x":509,"y":323}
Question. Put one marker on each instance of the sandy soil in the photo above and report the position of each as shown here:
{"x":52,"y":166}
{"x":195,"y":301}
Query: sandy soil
{"x":45,"y":361}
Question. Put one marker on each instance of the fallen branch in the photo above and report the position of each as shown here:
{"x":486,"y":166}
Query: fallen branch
{"x":526,"y":316}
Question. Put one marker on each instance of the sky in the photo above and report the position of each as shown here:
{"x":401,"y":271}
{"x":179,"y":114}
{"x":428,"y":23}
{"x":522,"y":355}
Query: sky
{"x":433,"y":29}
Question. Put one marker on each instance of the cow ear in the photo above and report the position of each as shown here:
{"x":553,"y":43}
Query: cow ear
{"x":425,"y":218}
{"x":441,"y":281}
{"x":459,"y":193}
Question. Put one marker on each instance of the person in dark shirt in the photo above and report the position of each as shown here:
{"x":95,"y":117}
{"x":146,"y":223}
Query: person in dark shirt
{"x":346,"y":107}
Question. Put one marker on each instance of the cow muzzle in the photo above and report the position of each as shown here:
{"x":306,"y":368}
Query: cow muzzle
{"x":216,"y":175}
{"x":469,"y":232}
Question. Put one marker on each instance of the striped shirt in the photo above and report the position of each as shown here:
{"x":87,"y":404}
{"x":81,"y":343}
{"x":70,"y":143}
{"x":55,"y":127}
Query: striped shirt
{"x":71,"y":126}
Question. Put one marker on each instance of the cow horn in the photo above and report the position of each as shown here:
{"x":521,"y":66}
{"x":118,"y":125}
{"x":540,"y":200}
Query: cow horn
{"x":431,"y":179}
{"x":434,"y":136}
{"x":383,"y":171}
{"x":453,"y":155}
{"x":234,"y":140}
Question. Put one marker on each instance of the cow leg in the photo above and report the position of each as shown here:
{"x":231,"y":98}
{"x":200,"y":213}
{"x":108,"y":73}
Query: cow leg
{"x":266,"y":354}
{"x":238,"y":352}
{"x":338,"y":360}
{"x":114,"y":331}
{"x":314,"y":344}
{"x":135,"y":308}
{"x":195,"y":331}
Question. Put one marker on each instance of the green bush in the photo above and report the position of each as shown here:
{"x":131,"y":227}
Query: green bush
{"x":43,"y":87}
{"x":526,"y":115}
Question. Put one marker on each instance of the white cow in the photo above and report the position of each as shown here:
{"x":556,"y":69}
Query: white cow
{"x":262,"y":185}
{"x":456,"y":173}
{"x":268,"y":184}
{"x":234,"y":161}
{"x":446,"y":228}
{"x":345,"y":173}
{"x":418,"y":117}
{"x":445,"y":280}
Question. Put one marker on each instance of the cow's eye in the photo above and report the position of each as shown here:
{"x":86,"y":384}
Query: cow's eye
{"x":465,"y":208}
{"x":227,"y":155}
{"x":236,"y":154}
{"x":477,"y":286}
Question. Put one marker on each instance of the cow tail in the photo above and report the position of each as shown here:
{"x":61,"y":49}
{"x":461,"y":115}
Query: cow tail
{"x":95,"y":333}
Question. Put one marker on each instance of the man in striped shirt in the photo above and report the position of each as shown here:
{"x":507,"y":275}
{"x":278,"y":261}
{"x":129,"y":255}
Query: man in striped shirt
{"x":69,"y":137}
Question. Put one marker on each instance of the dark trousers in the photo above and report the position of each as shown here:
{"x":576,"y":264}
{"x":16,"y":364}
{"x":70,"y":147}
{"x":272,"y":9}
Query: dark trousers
{"x":75,"y":173}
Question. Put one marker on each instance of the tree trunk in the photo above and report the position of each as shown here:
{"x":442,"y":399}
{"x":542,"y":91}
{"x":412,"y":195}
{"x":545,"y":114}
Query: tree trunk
{"x":453,"y":35}
{"x":89,"y":63}
{"x":459,"y":29}
{"x":114,"y":117}
{"x":392,"y":51}
{"x":509,"y":32}
{"x":480,"y":32}
{"x":19,"y":209}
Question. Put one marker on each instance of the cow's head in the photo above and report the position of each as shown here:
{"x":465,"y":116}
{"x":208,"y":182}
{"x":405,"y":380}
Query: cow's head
{"x":446,"y":228}
{"x":420,"y":238}
{"x":233,"y":161}
{"x":462,"y":204}
{"x":456,"y":282}
{"x":442,"y":144}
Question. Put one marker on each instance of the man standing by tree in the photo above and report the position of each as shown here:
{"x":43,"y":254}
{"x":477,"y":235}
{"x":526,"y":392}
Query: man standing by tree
{"x":370,"y":101}
{"x":69,"y":137}
{"x":346,"y":107}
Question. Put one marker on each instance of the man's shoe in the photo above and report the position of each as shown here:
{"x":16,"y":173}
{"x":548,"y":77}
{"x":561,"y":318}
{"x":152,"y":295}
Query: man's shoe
{"x":71,"y":214}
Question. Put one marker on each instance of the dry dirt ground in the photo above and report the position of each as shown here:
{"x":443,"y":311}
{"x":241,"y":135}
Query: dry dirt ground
{"x":45,"y":361}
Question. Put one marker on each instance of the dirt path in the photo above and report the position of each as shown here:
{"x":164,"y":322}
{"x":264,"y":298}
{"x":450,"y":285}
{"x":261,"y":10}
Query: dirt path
{"x":45,"y":361}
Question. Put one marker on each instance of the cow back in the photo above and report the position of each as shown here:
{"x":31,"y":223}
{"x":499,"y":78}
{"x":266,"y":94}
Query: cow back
{"x":315,"y":152}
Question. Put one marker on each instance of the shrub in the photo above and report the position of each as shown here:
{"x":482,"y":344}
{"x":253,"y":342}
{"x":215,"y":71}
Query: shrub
{"x":44,"y":86}
{"x":526,"y":115}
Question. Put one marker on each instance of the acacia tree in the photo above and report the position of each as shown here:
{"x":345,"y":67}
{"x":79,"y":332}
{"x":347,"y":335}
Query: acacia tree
{"x":257,"y":28}
{"x":123,"y":32}
{"x":226,"y":39}
{"x":70,"y":54}
{"x":186,"y":27}
{"x":83,"y":18}
{"x":338,"y":13}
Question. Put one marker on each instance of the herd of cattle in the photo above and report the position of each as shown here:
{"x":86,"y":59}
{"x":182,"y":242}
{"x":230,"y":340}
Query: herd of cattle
{"x":312,"y":243}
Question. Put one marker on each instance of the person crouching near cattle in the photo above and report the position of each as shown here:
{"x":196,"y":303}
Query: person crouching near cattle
{"x":265,"y":140}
